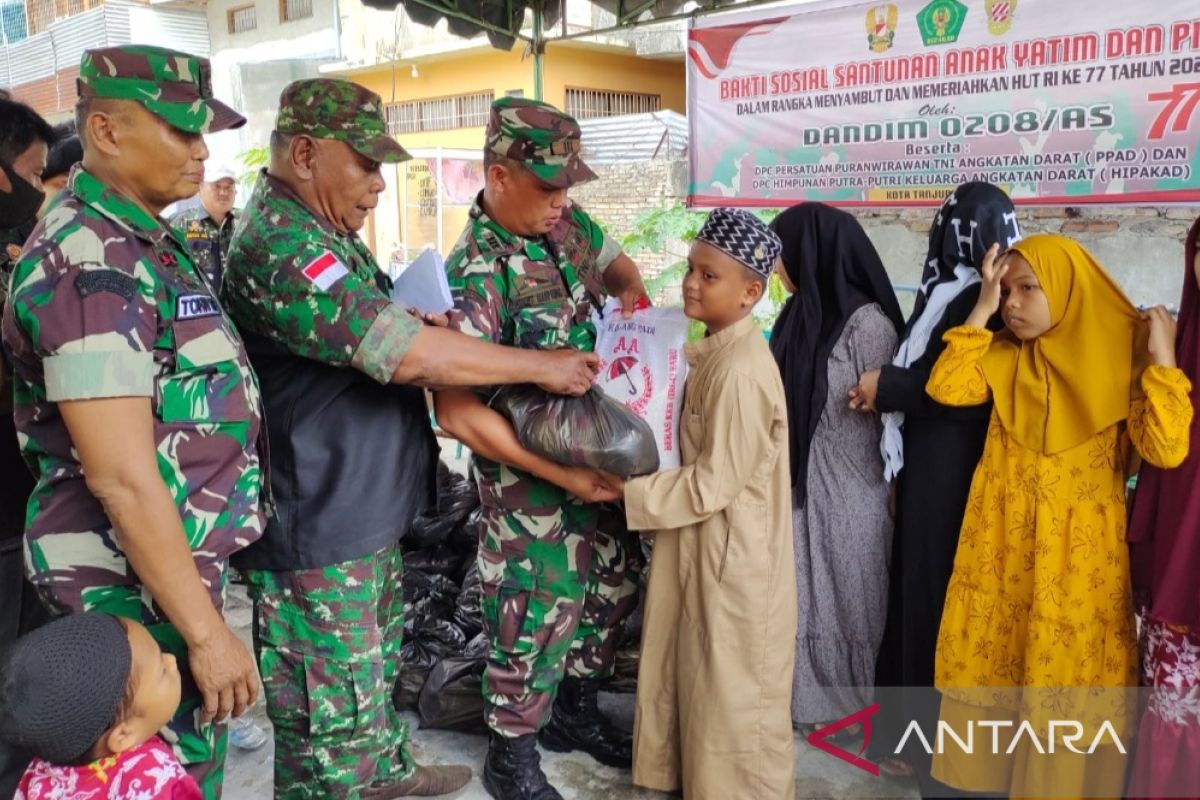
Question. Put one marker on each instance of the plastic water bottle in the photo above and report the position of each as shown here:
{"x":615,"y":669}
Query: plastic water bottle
{"x":245,"y":735}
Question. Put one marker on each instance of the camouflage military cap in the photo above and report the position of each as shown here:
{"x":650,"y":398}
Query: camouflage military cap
{"x":541,"y":137}
{"x":333,"y":109}
{"x":173,"y":85}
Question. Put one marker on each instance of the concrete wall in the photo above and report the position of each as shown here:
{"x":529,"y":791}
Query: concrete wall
{"x":250,"y":69}
{"x":1141,"y":247}
{"x":273,"y":39}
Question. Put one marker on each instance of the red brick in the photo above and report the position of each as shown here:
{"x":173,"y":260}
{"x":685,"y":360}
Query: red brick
{"x":1091,"y":226}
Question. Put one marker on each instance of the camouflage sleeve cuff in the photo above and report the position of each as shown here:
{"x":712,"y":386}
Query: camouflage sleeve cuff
{"x":92,"y":375}
{"x":608,"y":252}
{"x":386,"y":343}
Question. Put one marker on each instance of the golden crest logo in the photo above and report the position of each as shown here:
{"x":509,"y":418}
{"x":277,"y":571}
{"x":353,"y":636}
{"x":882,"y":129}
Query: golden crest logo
{"x":1000,"y":15}
{"x":881,"y":27}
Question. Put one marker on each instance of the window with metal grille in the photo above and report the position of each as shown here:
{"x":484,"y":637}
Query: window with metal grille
{"x":592,"y":103}
{"x":290,"y":10}
{"x":41,"y":13}
{"x":439,"y":114}
{"x":242,"y":19}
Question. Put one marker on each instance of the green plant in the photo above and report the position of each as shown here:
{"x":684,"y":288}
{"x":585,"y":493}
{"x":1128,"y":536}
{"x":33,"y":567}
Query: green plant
{"x":253,"y":160}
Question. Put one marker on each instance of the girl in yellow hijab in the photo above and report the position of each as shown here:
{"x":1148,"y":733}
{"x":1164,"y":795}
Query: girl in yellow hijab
{"x":1039,"y":602}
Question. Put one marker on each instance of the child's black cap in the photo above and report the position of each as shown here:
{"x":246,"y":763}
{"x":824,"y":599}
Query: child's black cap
{"x":62,"y":684}
{"x":744,"y":237}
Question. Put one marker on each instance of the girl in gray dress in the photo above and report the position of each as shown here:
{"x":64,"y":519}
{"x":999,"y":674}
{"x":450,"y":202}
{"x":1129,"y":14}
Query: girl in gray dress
{"x":841,"y":320}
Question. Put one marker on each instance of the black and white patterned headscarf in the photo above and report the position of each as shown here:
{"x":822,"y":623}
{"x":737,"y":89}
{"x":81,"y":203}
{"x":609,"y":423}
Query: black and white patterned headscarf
{"x":973,"y":218}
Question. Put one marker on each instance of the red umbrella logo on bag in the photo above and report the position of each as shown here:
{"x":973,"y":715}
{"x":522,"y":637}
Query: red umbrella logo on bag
{"x":621,"y":367}
{"x":633,"y":371}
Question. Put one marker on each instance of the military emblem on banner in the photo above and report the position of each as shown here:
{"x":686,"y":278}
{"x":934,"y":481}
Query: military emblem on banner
{"x":881,"y":27}
{"x":941,"y":21}
{"x":1000,"y":15}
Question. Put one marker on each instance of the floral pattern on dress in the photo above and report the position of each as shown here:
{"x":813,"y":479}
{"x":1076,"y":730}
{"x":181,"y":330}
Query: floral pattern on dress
{"x":147,"y":772}
{"x":1040,"y":594}
{"x":1171,"y":669}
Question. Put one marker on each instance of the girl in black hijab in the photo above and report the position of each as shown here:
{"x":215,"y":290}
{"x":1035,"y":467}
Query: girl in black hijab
{"x":842,"y":320}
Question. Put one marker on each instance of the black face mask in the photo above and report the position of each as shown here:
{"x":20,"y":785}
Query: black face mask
{"x":19,"y":207}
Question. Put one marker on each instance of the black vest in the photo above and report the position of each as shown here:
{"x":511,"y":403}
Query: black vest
{"x":352,"y":462}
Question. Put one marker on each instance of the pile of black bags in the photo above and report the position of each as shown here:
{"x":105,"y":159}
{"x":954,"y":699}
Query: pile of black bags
{"x":445,"y":649}
{"x":442,"y":657}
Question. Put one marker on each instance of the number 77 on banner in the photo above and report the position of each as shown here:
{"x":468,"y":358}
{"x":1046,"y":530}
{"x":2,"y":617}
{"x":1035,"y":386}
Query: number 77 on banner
{"x":1182,"y":101}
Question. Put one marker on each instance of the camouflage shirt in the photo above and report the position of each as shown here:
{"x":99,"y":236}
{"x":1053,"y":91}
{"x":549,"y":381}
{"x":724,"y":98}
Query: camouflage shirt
{"x":207,"y":240}
{"x":294,"y":279}
{"x":106,"y":303}
{"x":355,"y":452}
{"x":532,"y":293}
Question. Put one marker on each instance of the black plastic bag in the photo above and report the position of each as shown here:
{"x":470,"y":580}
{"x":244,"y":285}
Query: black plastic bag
{"x":477,"y":647}
{"x":414,"y":655}
{"x":590,"y":431}
{"x":465,"y":536}
{"x":452,"y":698}
{"x":441,"y":560}
{"x":468,"y":615}
{"x":428,"y":586}
{"x":428,"y":600}
{"x":457,"y":497}
{"x":408,"y":686}
{"x":441,"y":637}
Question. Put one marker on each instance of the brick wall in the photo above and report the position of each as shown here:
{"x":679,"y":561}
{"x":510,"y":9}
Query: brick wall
{"x":53,"y":96}
{"x":623,"y":191}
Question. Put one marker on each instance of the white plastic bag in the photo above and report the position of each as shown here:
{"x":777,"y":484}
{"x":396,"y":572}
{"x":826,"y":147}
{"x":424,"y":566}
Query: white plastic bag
{"x":642,"y":365}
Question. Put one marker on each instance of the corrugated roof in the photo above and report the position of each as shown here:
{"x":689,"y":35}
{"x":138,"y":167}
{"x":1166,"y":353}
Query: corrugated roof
{"x":635,"y":137}
{"x":61,"y":45}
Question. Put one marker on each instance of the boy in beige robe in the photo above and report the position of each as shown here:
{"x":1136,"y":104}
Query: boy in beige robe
{"x":718,"y":641}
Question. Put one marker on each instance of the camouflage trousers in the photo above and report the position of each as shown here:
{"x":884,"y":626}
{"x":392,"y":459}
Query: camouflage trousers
{"x":200,"y":748}
{"x":328,"y":647}
{"x":558,"y":582}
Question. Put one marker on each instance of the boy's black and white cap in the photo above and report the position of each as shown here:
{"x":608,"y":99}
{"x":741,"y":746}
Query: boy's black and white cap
{"x":62,"y":685}
{"x":742,"y":236}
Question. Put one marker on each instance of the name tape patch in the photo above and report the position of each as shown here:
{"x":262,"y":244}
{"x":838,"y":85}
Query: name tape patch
{"x":195,"y":306}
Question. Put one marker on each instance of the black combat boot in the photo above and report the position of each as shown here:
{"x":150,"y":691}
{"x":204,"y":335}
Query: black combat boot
{"x":577,"y":724}
{"x":513,"y":770}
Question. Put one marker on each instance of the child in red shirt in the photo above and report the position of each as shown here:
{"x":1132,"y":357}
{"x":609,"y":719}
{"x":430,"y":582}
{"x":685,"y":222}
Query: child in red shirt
{"x":87,"y":695}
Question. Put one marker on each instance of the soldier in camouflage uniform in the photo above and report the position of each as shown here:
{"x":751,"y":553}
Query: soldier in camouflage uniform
{"x":353,"y":450}
{"x":558,"y":568}
{"x":208,"y":228}
{"x":137,"y":409}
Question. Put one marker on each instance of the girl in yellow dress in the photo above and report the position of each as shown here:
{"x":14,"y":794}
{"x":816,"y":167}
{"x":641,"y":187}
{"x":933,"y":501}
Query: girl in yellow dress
{"x":1039,"y":602}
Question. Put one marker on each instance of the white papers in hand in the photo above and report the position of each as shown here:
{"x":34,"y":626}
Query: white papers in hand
{"x":423,"y":286}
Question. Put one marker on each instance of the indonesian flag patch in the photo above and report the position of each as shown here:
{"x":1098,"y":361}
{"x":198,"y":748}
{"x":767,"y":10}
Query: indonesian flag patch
{"x":325,"y":270}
